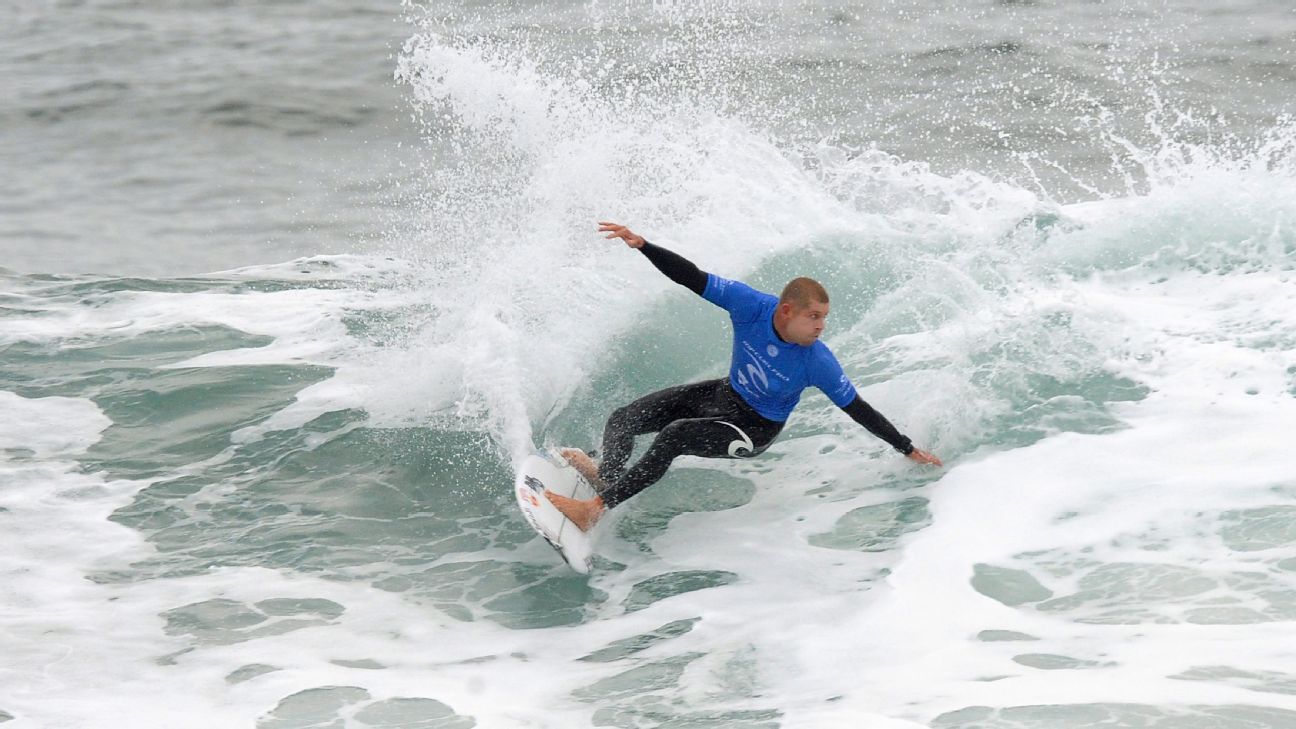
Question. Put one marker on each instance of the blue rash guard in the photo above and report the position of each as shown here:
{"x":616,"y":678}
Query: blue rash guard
{"x":767,"y":372}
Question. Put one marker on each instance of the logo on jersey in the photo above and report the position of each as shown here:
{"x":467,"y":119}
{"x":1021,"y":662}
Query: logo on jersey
{"x":844,"y":385}
{"x":772,"y":350}
{"x":754,"y":377}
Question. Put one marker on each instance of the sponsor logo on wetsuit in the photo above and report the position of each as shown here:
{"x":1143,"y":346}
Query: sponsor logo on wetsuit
{"x":737,"y":447}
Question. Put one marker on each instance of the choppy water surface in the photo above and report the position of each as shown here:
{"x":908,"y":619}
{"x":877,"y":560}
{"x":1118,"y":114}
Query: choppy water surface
{"x":288,"y":289}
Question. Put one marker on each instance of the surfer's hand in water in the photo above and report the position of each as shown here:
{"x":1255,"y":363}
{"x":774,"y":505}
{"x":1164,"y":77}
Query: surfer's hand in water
{"x":620,"y":231}
{"x":924,"y":457}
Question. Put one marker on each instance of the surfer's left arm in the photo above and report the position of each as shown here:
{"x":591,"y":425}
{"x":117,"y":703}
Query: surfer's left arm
{"x":877,"y":424}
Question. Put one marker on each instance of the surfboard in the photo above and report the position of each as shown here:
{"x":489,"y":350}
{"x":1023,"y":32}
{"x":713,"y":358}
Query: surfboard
{"x":538,"y":474}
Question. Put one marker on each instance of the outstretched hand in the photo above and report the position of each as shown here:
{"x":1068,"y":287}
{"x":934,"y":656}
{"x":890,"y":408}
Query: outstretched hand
{"x":620,"y":231}
{"x":924,"y":457}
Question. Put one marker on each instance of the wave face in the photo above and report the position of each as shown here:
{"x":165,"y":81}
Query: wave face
{"x":278,"y":495}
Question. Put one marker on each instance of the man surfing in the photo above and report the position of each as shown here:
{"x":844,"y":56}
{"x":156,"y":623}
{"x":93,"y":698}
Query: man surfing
{"x":776,"y":355}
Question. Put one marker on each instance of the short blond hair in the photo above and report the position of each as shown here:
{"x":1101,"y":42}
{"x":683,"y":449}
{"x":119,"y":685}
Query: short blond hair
{"x":800,"y":292}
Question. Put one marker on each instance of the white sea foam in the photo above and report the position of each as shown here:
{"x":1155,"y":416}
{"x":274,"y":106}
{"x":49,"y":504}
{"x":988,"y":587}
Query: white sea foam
{"x":63,"y":635}
{"x":49,"y":427}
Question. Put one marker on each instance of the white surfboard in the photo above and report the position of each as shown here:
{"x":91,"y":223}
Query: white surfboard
{"x":537,"y":475}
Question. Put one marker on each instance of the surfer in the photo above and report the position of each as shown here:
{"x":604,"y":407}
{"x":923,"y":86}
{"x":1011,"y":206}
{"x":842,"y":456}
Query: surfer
{"x":776,"y":355}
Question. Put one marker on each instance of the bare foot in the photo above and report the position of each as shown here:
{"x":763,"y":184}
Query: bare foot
{"x":582,"y":513}
{"x":585,"y":466}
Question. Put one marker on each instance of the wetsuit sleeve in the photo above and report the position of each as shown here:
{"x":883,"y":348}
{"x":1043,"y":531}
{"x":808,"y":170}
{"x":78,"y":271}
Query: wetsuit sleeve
{"x":828,"y":376}
{"x":864,"y":414}
{"x":676,"y":267}
{"x":741,"y":301}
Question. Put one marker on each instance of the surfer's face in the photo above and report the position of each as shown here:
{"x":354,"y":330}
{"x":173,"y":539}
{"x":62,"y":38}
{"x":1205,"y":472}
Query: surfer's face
{"x":803,"y":325}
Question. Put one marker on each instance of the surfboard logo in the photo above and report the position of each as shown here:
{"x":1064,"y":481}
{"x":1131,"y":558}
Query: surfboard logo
{"x":737,"y":447}
{"x":531,"y":499}
{"x":535,"y":483}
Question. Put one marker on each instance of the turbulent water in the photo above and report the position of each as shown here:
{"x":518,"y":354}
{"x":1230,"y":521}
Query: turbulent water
{"x":289,"y":288}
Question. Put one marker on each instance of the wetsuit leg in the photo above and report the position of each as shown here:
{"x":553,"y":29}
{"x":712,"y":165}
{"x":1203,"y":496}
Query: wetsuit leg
{"x":714,"y":437}
{"x":648,"y":414}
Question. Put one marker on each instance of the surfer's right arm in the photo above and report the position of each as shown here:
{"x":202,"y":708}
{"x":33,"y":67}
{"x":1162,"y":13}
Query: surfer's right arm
{"x":676,"y":267}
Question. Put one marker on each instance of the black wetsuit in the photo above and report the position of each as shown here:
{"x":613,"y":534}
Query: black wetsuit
{"x":712,"y":419}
